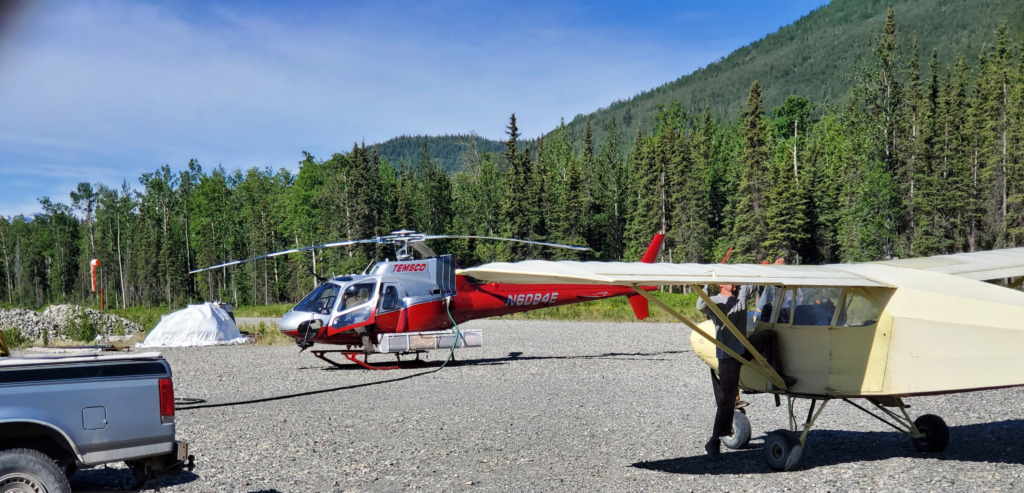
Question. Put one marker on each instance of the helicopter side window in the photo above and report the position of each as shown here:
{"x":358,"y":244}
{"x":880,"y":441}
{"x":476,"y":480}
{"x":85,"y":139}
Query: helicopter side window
{"x":320,"y":300}
{"x":356,"y":294}
{"x":390,"y":300}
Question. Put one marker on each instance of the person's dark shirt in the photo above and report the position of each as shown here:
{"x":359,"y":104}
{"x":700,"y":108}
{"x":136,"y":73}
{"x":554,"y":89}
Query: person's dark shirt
{"x":735,"y":308}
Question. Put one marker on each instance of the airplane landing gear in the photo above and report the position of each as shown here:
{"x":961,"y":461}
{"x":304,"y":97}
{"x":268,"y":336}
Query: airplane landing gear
{"x":936,"y":433}
{"x":928,"y":432}
{"x":740,"y":432}
{"x":783,"y":449}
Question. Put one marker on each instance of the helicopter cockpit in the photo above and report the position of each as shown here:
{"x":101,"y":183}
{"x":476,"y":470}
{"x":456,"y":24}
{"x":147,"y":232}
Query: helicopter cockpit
{"x":340,"y":302}
{"x":355,"y":305}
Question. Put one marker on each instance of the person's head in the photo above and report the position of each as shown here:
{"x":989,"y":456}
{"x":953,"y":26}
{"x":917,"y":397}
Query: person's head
{"x":726,"y":290}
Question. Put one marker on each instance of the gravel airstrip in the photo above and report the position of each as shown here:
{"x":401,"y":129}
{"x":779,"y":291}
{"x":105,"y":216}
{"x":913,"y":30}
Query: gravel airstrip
{"x":545,"y":406}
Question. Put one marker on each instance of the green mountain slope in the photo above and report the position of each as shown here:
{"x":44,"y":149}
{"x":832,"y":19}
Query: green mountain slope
{"x":814,"y":57}
{"x":445,"y":149}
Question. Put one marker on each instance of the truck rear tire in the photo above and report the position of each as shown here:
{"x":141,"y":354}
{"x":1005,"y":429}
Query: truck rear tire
{"x":30,"y":470}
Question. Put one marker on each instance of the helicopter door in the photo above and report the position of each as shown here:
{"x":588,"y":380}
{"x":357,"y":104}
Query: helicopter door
{"x":356,"y":307}
{"x":389,"y":311}
{"x":389,"y":300}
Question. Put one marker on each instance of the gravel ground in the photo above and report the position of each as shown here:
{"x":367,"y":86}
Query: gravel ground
{"x":545,"y":406}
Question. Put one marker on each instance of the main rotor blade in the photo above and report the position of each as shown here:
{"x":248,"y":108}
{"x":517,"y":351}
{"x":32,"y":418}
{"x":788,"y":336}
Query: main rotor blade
{"x":555,"y":245}
{"x":423,"y":249}
{"x":285,"y":252}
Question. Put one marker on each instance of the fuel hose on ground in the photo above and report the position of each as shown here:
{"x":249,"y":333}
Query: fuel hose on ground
{"x":333,"y":389}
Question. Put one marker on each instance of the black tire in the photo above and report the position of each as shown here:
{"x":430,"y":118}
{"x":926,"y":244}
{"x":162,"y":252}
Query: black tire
{"x":30,"y":470}
{"x":782,"y":450}
{"x":936,"y":434}
{"x":740,"y":432}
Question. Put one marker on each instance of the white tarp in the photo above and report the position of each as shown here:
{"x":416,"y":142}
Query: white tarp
{"x":198,"y":325}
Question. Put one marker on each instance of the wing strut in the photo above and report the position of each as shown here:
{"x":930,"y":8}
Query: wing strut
{"x":761,"y":367}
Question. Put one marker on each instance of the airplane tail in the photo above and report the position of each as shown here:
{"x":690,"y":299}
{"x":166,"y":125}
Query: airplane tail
{"x":637,"y":302}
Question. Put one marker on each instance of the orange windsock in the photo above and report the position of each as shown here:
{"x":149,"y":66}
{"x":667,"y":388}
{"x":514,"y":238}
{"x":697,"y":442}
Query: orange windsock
{"x":93,"y":264}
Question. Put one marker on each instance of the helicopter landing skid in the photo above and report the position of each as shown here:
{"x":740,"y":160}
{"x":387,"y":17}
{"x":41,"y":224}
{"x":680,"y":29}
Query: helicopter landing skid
{"x":365,"y":363}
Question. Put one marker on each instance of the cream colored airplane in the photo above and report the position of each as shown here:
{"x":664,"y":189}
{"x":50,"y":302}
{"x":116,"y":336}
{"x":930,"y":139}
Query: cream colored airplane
{"x":878,"y":331}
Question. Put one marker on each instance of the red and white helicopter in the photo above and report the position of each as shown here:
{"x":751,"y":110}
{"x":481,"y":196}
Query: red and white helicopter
{"x":409,"y":306}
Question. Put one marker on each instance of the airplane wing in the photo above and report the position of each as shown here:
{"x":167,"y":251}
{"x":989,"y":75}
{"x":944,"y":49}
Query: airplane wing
{"x":980,"y":266}
{"x":637,"y":273}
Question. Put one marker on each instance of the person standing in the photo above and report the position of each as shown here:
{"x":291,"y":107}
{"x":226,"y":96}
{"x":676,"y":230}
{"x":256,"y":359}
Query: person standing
{"x":732,"y":301}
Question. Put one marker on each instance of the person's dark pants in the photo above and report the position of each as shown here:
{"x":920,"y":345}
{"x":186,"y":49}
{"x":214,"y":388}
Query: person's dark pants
{"x":727,"y":385}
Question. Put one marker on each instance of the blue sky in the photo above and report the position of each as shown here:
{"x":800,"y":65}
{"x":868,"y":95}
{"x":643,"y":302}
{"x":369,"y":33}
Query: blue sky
{"x":103,"y":91}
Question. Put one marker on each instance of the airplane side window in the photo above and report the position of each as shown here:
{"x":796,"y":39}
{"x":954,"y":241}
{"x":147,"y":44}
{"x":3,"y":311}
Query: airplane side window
{"x":858,"y":312}
{"x":815,"y":306}
{"x":785,"y":307}
{"x":765,"y":307}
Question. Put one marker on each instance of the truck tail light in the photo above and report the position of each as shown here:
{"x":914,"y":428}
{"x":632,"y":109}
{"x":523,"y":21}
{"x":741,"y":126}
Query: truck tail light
{"x":166,"y":399}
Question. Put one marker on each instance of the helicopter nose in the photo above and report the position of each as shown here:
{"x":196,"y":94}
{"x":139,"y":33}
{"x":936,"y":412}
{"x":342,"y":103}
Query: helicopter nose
{"x":296,"y":323}
{"x":290,"y":322}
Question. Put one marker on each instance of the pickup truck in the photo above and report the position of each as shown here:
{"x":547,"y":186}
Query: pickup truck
{"x":59,"y":414}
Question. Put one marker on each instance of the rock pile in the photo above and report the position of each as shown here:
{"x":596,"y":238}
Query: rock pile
{"x":64,"y":322}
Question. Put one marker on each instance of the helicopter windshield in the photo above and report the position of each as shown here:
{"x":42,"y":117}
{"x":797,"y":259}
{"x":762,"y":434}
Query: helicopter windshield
{"x":354,"y":306}
{"x":320,"y":300}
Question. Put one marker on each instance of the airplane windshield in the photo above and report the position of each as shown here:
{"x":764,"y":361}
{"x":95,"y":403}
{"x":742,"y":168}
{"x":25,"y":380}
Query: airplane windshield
{"x":320,"y":300}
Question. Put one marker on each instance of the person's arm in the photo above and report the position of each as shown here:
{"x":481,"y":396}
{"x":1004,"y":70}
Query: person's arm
{"x":747,"y":291}
{"x":703,"y":307}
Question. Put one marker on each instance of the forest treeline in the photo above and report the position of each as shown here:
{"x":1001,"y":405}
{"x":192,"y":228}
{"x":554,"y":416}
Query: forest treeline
{"x":924,"y":159}
{"x":445,"y":149}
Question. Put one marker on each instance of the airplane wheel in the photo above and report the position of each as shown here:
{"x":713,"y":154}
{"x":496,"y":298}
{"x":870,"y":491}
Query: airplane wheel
{"x":740,"y":432}
{"x":782,"y":450}
{"x":936,"y":434}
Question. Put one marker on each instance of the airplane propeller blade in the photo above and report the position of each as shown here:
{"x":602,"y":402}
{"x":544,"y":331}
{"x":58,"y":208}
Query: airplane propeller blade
{"x":555,"y":245}
{"x":285,"y":252}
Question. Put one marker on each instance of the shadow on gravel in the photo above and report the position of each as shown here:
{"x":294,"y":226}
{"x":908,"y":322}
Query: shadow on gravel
{"x":512,"y":357}
{"x":518,"y":356}
{"x":120,"y":479}
{"x":996,"y":442}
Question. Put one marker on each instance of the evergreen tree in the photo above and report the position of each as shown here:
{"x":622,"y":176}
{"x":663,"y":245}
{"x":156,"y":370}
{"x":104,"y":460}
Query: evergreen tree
{"x":644,"y":217}
{"x":1014,"y":218}
{"x":612,"y":180}
{"x":515,"y":211}
{"x":750,"y":226}
{"x":928,"y":170}
{"x":405,"y":199}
